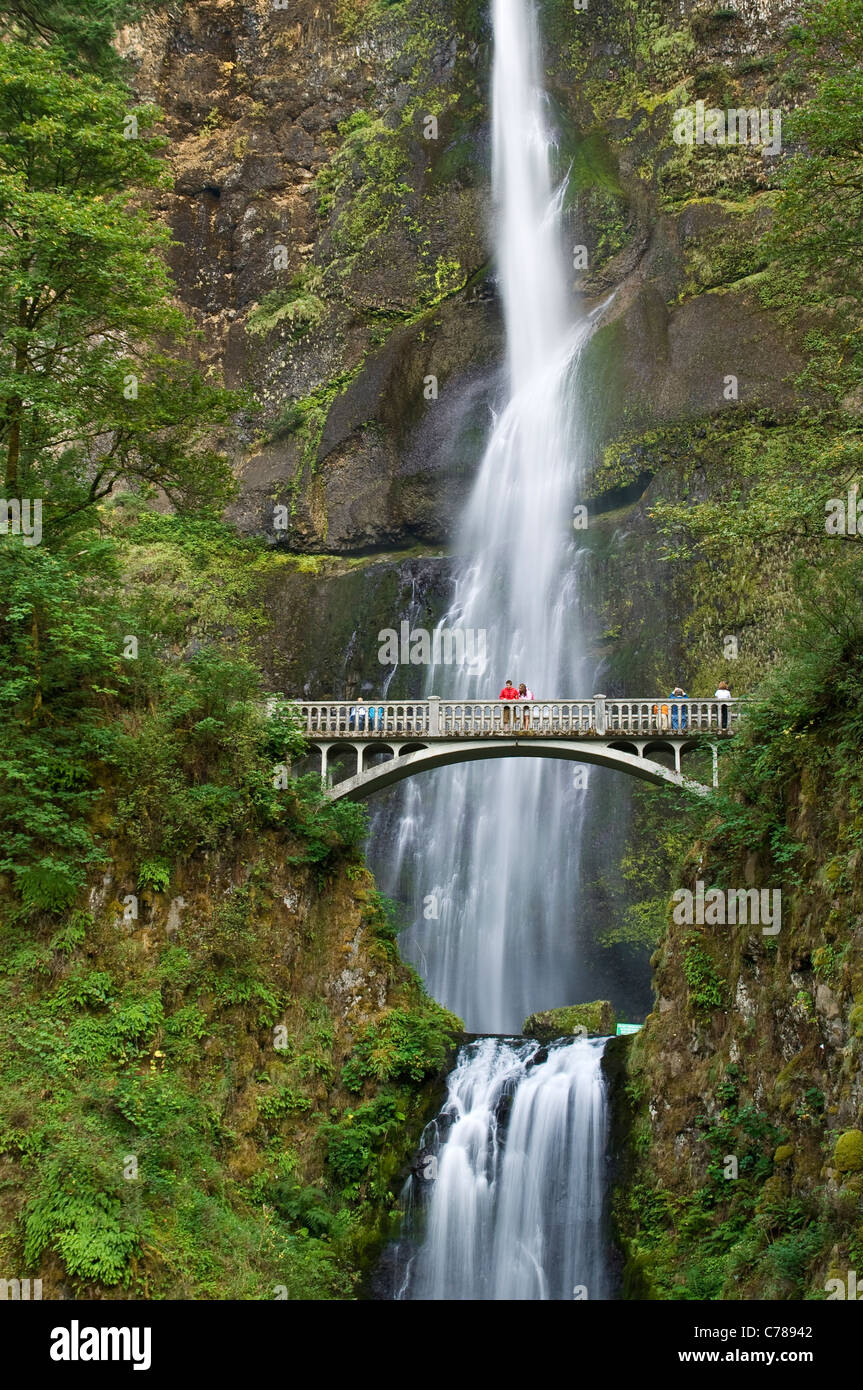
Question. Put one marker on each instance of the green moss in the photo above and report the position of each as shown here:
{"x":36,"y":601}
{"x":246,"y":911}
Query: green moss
{"x":729,"y":255}
{"x":596,"y":1019}
{"x":299,"y":307}
{"x":306,"y":420}
{"x":848,"y":1152}
{"x":402,"y":1046}
{"x":706,"y":988}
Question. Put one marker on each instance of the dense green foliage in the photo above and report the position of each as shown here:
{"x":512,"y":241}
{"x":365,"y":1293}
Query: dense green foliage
{"x":81,"y":30}
{"x":182,"y":751}
{"x":88,"y":394}
{"x":817,"y":236}
{"x":744,"y":1229}
{"x":401,"y":1047}
{"x":137,"y":740}
{"x":60,"y":667}
{"x":119,"y":1126}
{"x":96,"y":706}
{"x":792,"y":799}
{"x":741,"y":1194}
{"x":811,"y":717}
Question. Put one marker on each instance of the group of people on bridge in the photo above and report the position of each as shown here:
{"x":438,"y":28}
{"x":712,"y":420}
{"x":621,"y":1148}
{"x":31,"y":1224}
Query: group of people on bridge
{"x":669,"y":715}
{"x":512,"y":692}
{"x":673,"y":715}
{"x":362,"y":716}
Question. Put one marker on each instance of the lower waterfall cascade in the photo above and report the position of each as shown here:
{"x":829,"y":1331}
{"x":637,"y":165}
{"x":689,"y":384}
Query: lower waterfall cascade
{"x":506,"y":1200}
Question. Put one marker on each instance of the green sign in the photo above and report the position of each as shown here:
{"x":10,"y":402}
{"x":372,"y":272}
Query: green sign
{"x":628,"y":1028}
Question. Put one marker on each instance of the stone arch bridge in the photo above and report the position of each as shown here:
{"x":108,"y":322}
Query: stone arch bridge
{"x":415,"y":735}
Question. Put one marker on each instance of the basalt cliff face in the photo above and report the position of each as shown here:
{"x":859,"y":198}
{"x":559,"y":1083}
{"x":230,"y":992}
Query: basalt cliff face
{"x":330,"y":208}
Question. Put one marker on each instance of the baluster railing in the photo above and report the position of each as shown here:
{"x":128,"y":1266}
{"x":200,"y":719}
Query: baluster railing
{"x":488,"y":718}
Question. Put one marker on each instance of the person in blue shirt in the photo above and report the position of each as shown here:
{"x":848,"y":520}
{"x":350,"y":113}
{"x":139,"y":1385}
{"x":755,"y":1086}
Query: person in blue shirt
{"x":678,"y":710}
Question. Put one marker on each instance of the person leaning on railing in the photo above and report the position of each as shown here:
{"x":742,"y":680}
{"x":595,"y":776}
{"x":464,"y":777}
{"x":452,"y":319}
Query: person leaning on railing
{"x":525,"y":694}
{"x":723,"y":693}
{"x":509,"y":692}
{"x":678,"y":712}
{"x":376,"y":717}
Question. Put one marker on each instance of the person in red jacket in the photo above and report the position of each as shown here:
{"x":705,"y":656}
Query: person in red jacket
{"x":509,"y":692}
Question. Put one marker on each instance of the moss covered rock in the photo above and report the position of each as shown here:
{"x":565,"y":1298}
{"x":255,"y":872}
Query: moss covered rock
{"x":596,"y":1018}
{"x":848,"y":1153}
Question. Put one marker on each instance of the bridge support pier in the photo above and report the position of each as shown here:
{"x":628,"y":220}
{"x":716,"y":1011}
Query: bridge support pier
{"x":599,"y":713}
{"x":434,"y":714}
{"x":715,"y":751}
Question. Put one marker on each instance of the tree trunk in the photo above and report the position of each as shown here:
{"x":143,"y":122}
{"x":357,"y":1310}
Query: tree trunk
{"x":14,"y":411}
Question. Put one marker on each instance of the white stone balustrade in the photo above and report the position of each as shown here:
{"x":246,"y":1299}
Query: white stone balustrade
{"x":599,"y":717}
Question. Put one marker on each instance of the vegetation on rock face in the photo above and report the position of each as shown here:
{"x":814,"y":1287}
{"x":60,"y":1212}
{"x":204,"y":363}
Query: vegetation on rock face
{"x":81,"y":30}
{"x":172,"y":1122}
{"x":595,"y":1020}
{"x":817,"y":236}
{"x":88,"y":394}
{"x":743,"y":1097}
{"x":191,"y":955}
{"x":776,"y":1013}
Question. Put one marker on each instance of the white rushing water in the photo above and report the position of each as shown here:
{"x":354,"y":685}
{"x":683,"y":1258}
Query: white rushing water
{"x":488,"y":854}
{"x":507,"y":1198}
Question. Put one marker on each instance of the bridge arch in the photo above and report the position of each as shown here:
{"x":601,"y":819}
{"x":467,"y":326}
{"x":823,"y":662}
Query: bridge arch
{"x":417,"y":757}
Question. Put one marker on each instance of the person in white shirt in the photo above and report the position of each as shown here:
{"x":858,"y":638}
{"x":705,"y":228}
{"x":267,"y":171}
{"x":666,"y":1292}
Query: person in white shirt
{"x":723,"y":693}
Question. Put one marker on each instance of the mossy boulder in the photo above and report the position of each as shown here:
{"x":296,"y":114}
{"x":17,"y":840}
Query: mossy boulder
{"x":783,"y":1153}
{"x":848,"y":1153}
{"x":597,"y":1018}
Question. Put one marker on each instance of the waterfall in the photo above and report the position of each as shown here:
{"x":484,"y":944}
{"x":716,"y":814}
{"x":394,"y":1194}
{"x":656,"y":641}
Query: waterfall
{"x":488,"y":854}
{"x":506,"y":1201}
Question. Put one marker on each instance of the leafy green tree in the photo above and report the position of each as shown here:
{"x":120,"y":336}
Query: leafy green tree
{"x":89,"y":394}
{"x":61,"y":665}
{"x":82,"y":29}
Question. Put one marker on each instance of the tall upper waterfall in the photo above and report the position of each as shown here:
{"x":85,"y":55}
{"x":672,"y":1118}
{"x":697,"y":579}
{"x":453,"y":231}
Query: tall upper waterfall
{"x":489,"y":853}
{"x":507,"y":1198}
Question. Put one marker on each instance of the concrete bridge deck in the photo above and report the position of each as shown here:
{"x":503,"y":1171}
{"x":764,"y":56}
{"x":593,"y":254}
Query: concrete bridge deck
{"x":434,"y":732}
